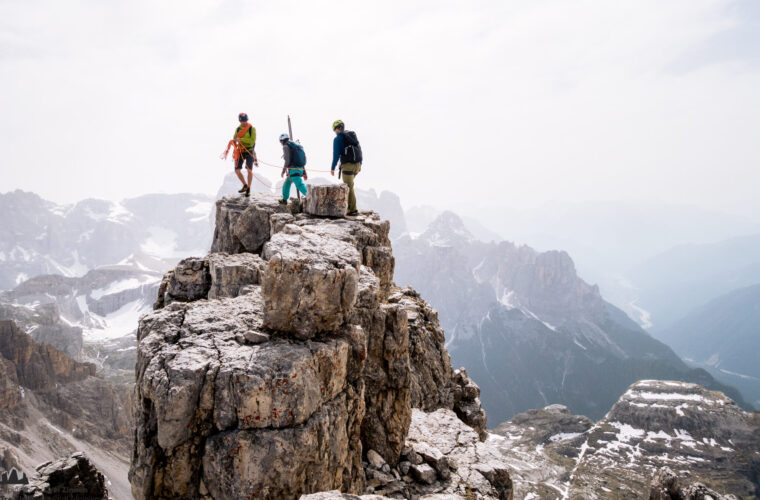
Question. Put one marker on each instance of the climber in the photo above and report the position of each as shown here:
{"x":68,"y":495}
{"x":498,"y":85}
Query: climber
{"x":295,"y":161}
{"x":346,"y":148}
{"x":245,"y":142}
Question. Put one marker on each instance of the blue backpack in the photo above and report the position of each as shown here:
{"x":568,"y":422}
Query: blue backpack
{"x":297,"y":154}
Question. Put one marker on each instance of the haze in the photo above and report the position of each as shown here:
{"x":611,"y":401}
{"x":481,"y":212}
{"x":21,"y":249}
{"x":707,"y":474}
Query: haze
{"x":457,"y":104}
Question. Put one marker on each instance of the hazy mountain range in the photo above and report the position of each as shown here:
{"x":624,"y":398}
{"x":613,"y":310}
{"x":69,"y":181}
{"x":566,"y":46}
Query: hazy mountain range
{"x":527,"y":328}
{"x":486,"y":293}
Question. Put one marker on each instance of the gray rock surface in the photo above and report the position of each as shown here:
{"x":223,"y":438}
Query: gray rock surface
{"x":441,"y":439}
{"x":666,"y":485}
{"x":230,"y":274}
{"x":701,"y":434}
{"x":71,"y":477}
{"x":281,"y":390}
{"x":311,"y":281}
{"x":327,"y":200}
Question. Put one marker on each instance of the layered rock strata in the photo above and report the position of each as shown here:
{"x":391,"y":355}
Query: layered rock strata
{"x":36,"y":366}
{"x":271,"y":366}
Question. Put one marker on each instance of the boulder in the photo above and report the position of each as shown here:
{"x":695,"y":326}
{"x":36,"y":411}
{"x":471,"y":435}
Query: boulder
{"x":189,"y":281}
{"x":231,"y":274}
{"x":327,"y":200}
{"x":375,"y":460}
{"x":476,"y":468}
{"x":311,"y":282}
{"x":666,"y":485}
{"x":71,"y":477}
{"x":243,"y":224}
{"x":423,"y":473}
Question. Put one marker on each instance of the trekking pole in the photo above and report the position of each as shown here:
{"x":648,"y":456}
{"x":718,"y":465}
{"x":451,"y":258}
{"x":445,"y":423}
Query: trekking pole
{"x":290,"y":131}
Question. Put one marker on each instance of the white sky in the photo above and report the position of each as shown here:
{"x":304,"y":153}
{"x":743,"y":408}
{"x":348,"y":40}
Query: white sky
{"x":516,"y":103}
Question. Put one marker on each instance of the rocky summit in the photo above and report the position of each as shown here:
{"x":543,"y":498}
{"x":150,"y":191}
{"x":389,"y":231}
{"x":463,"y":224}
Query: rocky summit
{"x":286,"y":362}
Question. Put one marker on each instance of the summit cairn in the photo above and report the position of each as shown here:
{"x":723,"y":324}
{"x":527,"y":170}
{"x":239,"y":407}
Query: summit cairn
{"x":286,"y":362}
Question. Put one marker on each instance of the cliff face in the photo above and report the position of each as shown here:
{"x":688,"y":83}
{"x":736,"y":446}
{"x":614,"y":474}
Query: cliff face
{"x":51,"y":405}
{"x":38,"y":366}
{"x":271,"y":367}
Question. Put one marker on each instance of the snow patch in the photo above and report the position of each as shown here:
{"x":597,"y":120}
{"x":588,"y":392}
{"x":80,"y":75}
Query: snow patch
{"x":644,"y":316}
{"x":627,"y":432}
{"x":563,"y":436}
{"x":667,"y":396}
{"x":161,"y":243}
{"x":575,"y":341}
{"x":122,"y":285}
{"x":118,"y":323}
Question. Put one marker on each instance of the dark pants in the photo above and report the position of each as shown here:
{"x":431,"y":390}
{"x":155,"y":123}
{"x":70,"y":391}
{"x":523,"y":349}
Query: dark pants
{"x":248,"y":157}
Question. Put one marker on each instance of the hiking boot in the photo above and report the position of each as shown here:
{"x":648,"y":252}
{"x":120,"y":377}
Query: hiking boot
{"x":355,"y":212}
{"x":243,"y":189}
{"x":248,"y":191}
{"x":283,"y":202}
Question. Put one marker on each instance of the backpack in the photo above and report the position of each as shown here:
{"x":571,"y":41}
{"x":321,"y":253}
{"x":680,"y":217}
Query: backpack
{"x":352,"y":150}
{"x":297,"y":155}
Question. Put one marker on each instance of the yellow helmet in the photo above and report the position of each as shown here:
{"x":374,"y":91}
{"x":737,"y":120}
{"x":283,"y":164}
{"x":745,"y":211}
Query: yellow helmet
{"x":337,"y":123}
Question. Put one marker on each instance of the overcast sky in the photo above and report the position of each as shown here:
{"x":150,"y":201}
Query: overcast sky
{"x":455,"y":102}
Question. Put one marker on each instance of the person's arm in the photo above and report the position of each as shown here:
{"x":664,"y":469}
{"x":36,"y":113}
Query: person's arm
{"x":286,"y":156}
{"x":337,"y":147}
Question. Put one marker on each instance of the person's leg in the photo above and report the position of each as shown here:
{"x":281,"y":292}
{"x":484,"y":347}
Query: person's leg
{"x":239,"y":173}
{"x":250,"y":177}
{"x":298,"y":181}
{"x":348,"y":178}
{"x":286,"y":189}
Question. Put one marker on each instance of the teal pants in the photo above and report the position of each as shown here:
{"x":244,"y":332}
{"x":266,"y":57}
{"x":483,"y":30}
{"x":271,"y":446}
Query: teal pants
{"x":293,"y":179}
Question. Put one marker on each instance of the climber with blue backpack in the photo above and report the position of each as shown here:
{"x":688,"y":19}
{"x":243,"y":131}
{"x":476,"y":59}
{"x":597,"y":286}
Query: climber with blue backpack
{"x":347,"y":149}
{"x":295,"y":161}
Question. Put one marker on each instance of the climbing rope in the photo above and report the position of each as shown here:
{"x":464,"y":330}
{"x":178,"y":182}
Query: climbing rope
{"x":238,"y":150}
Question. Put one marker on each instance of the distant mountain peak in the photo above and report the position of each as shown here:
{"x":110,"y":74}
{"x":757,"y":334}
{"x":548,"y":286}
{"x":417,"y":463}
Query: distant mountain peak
{"x":448,"y":229}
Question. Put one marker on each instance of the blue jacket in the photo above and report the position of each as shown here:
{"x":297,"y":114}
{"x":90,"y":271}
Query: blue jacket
{"x":338,"y":146}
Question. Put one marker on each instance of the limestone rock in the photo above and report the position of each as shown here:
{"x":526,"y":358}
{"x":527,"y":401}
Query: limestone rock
{"x":337,"y":495}
{"x":667,"y":486}
{"x":243,"y":224}
{"x":9,"y":390}
{"x":38,"y":366}
{"x":310,"y":284}
{"x":207,"y":397}
{"x":279,"y":373}
{"x":71,"y":477}
{"x":434,"y":384}
{"x":478,"y":467}
{"x":189,"y":281}
{"x":327,"y":200}
{"x":467,"y":402}
{"x":375,"y":460}
{"x":230,"y":274}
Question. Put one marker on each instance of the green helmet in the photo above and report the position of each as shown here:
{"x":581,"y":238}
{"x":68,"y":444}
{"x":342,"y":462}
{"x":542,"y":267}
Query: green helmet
{"x":337,"y":123}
